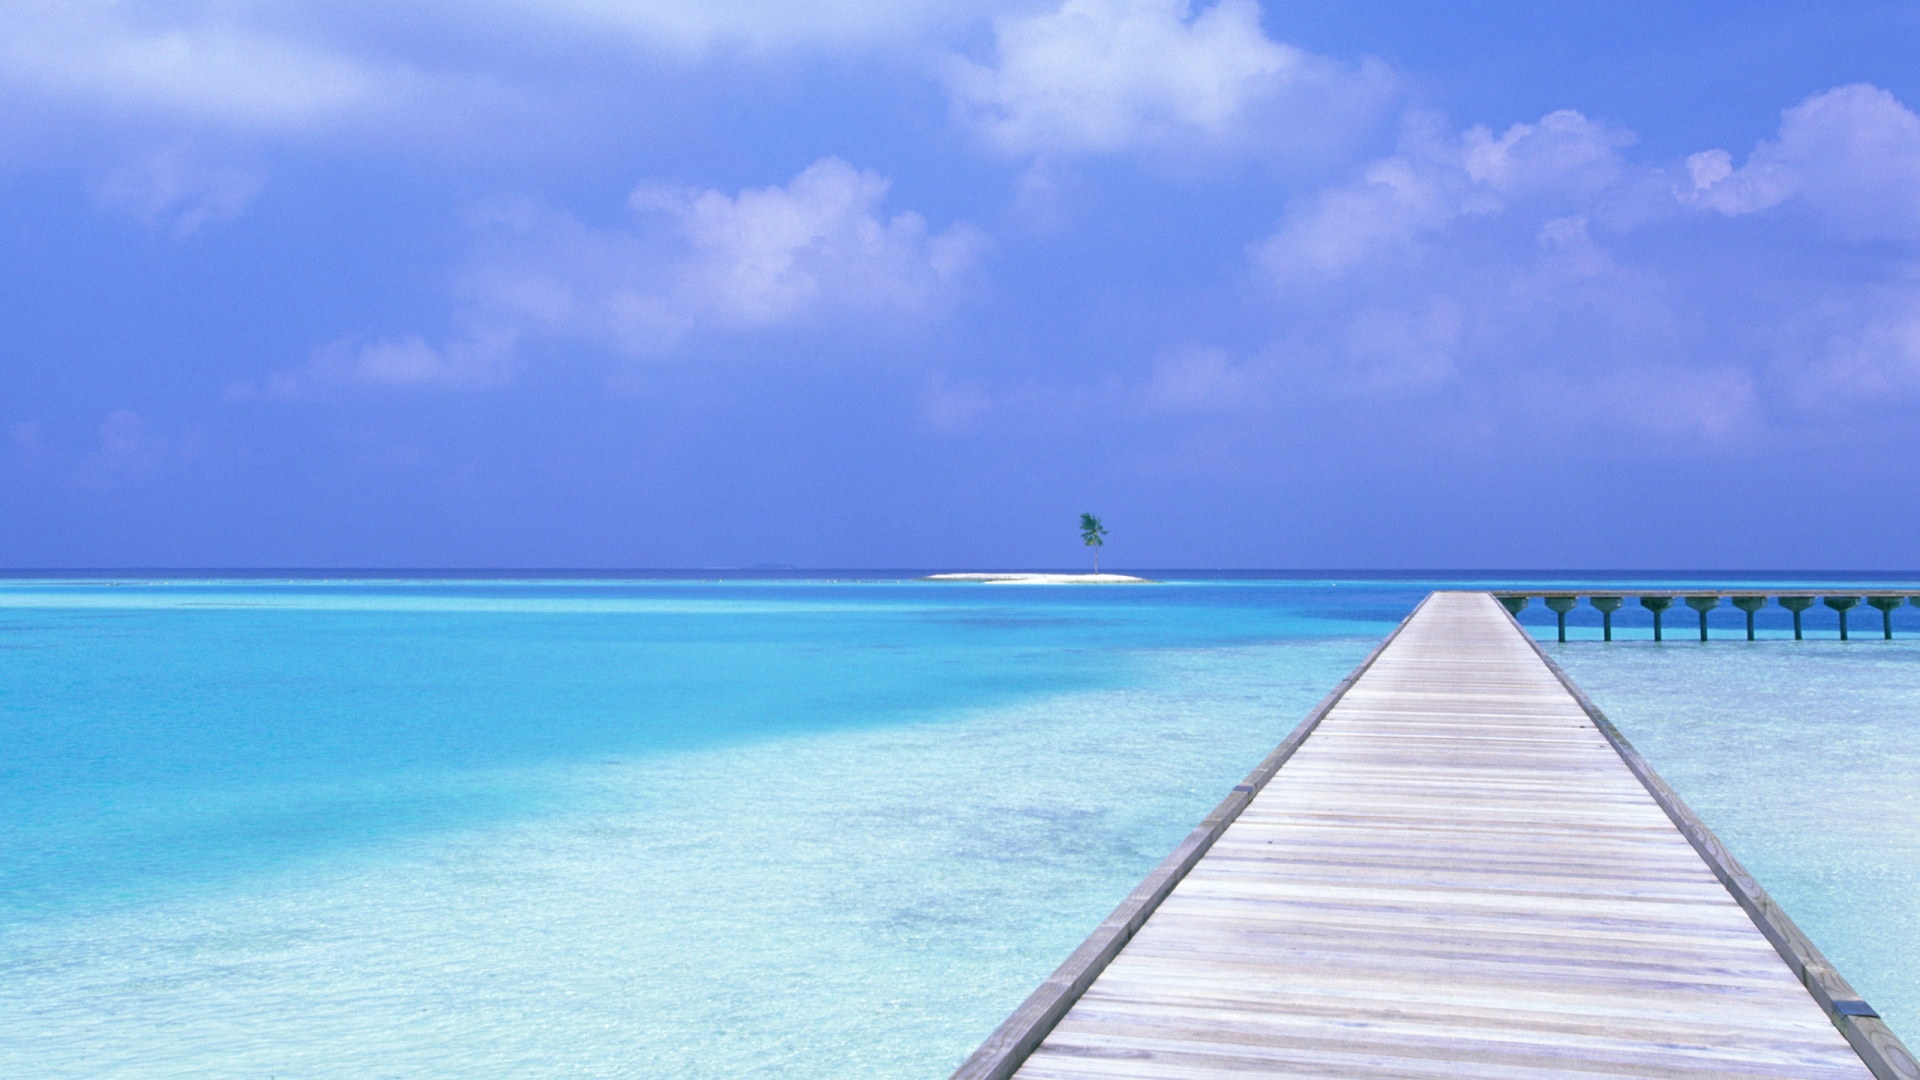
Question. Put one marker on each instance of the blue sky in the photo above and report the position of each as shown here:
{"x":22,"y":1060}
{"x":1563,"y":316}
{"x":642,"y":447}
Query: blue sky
{"x":575,"y":283}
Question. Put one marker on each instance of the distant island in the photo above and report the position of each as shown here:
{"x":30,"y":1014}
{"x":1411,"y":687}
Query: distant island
{"x":1044,"y":579}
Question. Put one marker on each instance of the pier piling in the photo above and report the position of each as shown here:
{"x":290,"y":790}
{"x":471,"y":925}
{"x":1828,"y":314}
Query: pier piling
{"x":1703,"y":604}
{"x":1657,"y":605}
{"x":1842,"y":604}
{"x":1607,"y":605}
{"x":1796,"y":604}
{"x":1562,"y":600}
{"x":1560,"y":605}
{"x":1885,"y":605}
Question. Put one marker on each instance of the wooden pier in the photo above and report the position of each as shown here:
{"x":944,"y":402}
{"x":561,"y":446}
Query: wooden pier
{"x":1454,"y":868}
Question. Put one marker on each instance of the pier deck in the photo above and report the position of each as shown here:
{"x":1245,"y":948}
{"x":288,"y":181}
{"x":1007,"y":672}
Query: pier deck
{"x":1455,"y":874}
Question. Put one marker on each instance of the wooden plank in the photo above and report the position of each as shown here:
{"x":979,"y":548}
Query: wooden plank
{"x":1015,"y":1039}
{"x":1881,"y":1050}
{"x":1462,"y":871}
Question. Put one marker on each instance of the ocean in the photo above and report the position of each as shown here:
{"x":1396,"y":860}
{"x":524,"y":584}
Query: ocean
{"x":826,"y":825}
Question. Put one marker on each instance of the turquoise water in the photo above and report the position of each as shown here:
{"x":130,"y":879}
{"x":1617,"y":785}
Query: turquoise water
{"x":1805,"y":758}
{"x":683,"y":828}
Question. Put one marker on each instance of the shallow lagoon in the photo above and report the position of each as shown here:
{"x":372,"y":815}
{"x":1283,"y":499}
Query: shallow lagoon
{"x":676,"y":828}
{"x":1805,"y":758}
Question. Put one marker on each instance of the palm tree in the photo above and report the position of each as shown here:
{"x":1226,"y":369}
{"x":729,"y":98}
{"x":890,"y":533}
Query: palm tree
{"x":1093,"y":534}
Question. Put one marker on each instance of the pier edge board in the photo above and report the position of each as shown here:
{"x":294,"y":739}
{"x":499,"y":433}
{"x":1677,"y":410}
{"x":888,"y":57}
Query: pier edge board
{"x":1004,"y":1051}
{"x":1879,"y":1048}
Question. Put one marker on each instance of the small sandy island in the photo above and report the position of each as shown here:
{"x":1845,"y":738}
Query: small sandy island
{"x":1043,"y":579}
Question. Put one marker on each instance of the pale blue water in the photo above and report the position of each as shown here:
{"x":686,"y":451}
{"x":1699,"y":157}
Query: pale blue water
{"x":685,"y":828}
{"x":1805,"y":758}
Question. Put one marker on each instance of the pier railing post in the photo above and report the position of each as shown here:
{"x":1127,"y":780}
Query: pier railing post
{"x":1886,"y":604}
{"x":1842,"y":604}
{"x":1607,"y":605}
{"x":1750,"y":604}
{"x":1796,"y":604}
{"x":1657,"y":605}
{"x":1560,"y":605}
{"x":1703,"y":604}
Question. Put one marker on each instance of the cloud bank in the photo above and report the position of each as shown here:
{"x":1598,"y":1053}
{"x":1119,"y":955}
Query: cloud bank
{"x":694,"y":262}
{"x":1107,"y":76}
{"x":207,"y":66}
{"x":1852,"y":153}
{"x":697,"y":260}
{"x":1547,"y":270}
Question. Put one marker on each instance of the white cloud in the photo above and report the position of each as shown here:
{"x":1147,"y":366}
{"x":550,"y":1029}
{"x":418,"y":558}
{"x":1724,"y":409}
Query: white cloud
{"x":1841,"y":349}
{"x":396,"y":363}
{"x":1852,"y":152}
{"x":1563,"y":161}
{"x":695,"y":28}
{"x":1100,"y":76}
{"x":1565,"y":155}
{"x":768,"y":255}
{"x":1851,"y":155}
{"x":1468,"y":264}
{"x":696,"y":261}
{"x":128,"y":62}
{"x":167,"y":189}
{"x":703,"y":259}
{"x":422,"y":69}
{"x":1088,"y":76}
{"x":1479,"y":264}
{"x":1879,"y":359}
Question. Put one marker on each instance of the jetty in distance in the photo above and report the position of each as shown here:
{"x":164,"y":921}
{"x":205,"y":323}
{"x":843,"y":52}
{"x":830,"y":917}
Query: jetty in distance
{"x":1608,"y":601}
{"x":1455,"y":867}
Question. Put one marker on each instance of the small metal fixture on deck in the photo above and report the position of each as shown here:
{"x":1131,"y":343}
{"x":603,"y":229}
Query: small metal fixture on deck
{"x":1886,"y":604}
{"x":1607,"y":605}
{"x":1703,"y":604}
{"x":1657,"y":605}
{"x":1560,"y":605}
{"x":1796,"y":604}
{"x":1749,"y":604}
{"x":1842,"y":604}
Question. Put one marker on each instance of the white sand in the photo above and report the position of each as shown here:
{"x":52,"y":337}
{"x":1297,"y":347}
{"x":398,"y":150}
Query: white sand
{"x":1042,"y":579}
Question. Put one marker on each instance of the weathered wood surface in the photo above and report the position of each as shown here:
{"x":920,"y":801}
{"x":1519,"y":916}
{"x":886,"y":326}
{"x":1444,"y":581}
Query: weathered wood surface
{"x":1877,"y":1045}
{"x":1016,"y":1037}
{"x":1456,"y":875}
